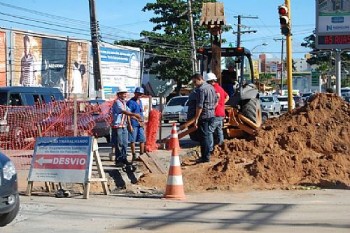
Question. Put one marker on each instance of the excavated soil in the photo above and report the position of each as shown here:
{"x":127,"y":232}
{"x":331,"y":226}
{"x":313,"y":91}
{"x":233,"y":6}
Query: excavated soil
{"x":309,"y":146}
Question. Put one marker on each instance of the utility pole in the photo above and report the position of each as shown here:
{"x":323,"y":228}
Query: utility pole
{"x":282,"y":48}
{"x":193,"y":42}
{"x":95,"y":47}
{"x":289,"y":60}
{"x":239,"y":28}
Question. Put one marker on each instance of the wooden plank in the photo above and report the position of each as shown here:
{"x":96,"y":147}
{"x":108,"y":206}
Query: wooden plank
{"x":100,"y":169}
{"x":150,"y":164}
{"x":158,"y":164}
{"x":101,"y":173}
{"x":97,"y":179}
{"x":87,"y":190}
{"x":29,"y":188}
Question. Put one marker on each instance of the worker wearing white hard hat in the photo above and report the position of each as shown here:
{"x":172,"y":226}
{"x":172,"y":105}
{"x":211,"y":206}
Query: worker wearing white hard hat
{"x":210,"y":77}
{"x":122,"y":89}
{"x":121,"y":120}
{"x":223,"y":97}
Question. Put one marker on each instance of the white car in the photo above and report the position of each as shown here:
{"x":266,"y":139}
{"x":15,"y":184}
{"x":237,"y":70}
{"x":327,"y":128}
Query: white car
{"x":270,"y":104}
{"x":345,"y":92}
{"x":183,"y":113}
{"x":284,"y":102}
{"x":173,"y":108}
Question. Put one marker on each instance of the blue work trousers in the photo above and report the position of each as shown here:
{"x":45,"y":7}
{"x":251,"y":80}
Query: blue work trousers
{"x":121,"y":143}
{"x":218,"y":134}
{"x":204,"y":127}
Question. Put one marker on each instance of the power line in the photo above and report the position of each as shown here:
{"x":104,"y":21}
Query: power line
{"x":27,"y":24}
{"x":38,"y":21}
{"x":79,"y":22}
{"x":109,"y":36}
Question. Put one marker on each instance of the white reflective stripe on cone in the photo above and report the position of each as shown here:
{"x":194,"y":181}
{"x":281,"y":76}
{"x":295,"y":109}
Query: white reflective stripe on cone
{"x":174,"y":180}
{"x":175,"y":161}
{"x":174,"y":135}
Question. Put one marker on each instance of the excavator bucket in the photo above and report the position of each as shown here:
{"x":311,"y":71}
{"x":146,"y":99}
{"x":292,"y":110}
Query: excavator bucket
{"x":213,"y":14}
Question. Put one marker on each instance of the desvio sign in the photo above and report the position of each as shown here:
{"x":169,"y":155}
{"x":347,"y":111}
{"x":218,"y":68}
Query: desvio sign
{"x":61,"y":159}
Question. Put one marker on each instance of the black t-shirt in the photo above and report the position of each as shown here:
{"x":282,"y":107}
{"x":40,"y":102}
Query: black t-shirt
{"x":229,"y":77}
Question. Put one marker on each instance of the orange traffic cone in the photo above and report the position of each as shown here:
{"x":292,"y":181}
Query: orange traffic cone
{"x":173,"y":141}
{"x":174,"y":188}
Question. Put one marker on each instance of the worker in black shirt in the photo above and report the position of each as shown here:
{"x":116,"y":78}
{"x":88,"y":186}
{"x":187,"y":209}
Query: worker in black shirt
{"x":229,"y":77}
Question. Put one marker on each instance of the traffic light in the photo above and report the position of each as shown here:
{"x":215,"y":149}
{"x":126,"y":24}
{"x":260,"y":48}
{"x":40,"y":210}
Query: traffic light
{"x":284,"y":20}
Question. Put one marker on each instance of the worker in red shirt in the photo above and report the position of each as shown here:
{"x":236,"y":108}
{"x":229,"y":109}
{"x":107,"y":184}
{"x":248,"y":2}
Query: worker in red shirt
{"x":223,"y":97}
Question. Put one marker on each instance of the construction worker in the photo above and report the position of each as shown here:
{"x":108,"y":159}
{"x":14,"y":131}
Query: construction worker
{"x":223,"y":97}
{"x":206,"y":102}
{"x":136,"y":133}
{"x":229,"y":77}
{"x":120,"y":124}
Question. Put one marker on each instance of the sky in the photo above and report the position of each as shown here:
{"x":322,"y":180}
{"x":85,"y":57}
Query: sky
{"x":124,"y":19}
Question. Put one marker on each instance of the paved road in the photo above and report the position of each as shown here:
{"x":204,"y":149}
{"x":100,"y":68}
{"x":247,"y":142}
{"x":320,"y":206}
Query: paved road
{"x":264,"y":211}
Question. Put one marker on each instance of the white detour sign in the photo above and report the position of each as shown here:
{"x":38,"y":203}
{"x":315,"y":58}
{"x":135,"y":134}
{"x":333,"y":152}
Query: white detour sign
{"x":61,"y":159}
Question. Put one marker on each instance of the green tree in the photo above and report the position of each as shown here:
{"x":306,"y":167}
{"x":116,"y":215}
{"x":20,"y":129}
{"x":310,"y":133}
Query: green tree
{"x":168,"y":44}
{"x":319,"y":58}
{"x":265,"y":77}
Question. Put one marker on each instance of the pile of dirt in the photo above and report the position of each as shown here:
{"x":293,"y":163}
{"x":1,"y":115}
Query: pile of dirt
{"x":308,"y":146}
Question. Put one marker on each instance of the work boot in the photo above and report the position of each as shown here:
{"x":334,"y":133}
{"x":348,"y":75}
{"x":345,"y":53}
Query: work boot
{"x":126,"y":162}
{"x":119,"y":163}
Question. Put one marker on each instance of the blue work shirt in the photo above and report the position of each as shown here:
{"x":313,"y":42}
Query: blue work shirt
{"x":119,"y":119}
{"x":137,"y":108}
{"x":206,"y":99}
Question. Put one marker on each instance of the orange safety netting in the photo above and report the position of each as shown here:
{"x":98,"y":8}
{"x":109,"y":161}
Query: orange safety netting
{"x":20,"y":126}
{"x":152,"y":128}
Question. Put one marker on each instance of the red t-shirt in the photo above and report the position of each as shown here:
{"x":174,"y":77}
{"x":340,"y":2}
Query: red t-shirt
{"x":220,"y":108}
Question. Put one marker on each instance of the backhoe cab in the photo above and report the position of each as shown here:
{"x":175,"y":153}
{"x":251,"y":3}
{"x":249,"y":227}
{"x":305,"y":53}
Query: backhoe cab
{"x":240,"y":58}
{"x":243,"y":111}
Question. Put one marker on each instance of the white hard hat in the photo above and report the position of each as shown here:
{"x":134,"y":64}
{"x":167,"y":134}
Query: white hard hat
{"x":210,"y":77}
{"x":121,"y":89}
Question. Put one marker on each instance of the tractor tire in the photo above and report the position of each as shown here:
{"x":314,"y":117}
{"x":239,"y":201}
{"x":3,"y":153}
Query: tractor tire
{"x":252,"y":110}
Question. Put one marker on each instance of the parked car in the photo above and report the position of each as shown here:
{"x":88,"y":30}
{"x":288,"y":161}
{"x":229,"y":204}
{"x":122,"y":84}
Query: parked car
{"x":305,"y":96}
{"x":270,"y":104}
{"x":9,"y":198}
{"x":298,"y":101}
{"x":102,"y":118}
{"x":173,"y":108}
{"x":183,"y":113}
{"x":345,"y":92}
{"x":29,"y":96}
{"x":17,"y":102}
{"x":284,"y":102}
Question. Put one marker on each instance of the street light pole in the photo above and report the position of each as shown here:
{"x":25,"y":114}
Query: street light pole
{"x":263,"y":44}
